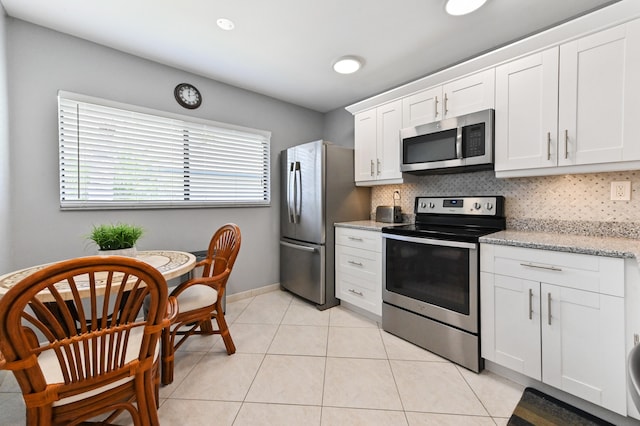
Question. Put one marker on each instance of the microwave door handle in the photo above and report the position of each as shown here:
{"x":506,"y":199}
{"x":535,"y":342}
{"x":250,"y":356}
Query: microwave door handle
{"x":459,"y":143}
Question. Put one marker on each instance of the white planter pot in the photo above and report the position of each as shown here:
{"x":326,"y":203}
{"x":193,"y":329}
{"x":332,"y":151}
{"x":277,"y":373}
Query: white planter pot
{"x":129,"y":252}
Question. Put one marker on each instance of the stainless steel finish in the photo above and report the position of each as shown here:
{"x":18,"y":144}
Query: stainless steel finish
{"x":464,"y":322}
{"x":317,"y":190}
{"x":436,"y":205}
{"x":372,"y":172}
{"x":351,"y":262}
{"x":486,"y":116}
{"x":549,"y":308}
{"x":435,"y":112}
{"x":378,"y":166}
{"x":530,"y":304}
{"x":459,"y":144}
{"x":388,"y":214}
{"x":355,"y":239}
{"x":548,"y":268}
{"x":548,"y":145}
{"x":359,"y":293}
{"x":430,"y":241}
{"x":636,"y":339}
{"x":449,"y":342}
{"x":566,"y":143}
{"x":299,"y":247}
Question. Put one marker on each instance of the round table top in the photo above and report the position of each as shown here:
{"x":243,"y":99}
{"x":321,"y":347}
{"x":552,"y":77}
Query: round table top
{"x":170,"y":263}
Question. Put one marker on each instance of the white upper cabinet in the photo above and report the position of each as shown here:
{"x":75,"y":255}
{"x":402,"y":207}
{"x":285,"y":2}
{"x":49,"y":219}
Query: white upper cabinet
{"x":377,"y":145}
{"x":458,"y":97}
{"x":572,"y":105}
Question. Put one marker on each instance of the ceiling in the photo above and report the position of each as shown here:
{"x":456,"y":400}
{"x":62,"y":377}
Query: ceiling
{"x":285,"y":48}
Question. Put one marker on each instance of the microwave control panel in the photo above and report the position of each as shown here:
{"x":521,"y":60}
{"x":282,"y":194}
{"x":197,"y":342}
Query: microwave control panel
{"x":473,"y":140}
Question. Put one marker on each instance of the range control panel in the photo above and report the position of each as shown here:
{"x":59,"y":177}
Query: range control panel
{"x":485,"y":206}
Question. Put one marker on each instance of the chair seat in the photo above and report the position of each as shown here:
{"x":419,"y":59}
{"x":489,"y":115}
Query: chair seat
{"x":53,"y":374}
{"x":196,"y":297}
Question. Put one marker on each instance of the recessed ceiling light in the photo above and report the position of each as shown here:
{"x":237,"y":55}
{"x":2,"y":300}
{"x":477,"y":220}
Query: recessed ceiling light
{"x":225,"y":24}
{"x":347,"y":65}
{"x":462,"y":7}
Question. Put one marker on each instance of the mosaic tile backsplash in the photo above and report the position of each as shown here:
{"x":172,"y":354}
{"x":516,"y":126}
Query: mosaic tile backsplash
{"x":573,"y":204}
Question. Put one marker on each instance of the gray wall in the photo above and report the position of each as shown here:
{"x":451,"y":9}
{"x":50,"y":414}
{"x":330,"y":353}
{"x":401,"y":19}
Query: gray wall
{"x":40,"y":62}
{"x":338,"y":127}
{"x":5,"y":224}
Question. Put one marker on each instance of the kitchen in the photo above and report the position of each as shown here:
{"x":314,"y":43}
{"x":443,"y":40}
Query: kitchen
{"x":531,"y":200}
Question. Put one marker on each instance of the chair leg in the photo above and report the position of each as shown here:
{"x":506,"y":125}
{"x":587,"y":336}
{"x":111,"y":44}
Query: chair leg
{"x":167,"y":357}
{"x":224,"y":330}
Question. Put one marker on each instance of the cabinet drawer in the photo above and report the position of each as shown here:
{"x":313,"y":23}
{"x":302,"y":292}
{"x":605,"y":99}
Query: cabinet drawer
{"x":580,"y":271}
{"x":362,"y":265}
{"x":359,"y":238}
{"x":360,"y":291}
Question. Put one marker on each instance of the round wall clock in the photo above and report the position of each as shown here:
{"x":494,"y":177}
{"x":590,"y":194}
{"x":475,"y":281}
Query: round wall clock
{"x":187,"y":95}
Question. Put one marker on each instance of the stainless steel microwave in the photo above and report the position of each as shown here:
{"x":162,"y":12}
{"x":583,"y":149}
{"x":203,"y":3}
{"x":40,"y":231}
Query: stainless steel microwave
{"x":451,"y":145}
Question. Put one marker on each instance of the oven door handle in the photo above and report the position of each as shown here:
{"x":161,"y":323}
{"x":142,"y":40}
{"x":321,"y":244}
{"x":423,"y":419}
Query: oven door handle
{"x":431,"y":241}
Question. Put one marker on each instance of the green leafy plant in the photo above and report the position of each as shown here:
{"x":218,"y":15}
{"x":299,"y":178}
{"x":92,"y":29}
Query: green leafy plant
{"x":115,"y":237}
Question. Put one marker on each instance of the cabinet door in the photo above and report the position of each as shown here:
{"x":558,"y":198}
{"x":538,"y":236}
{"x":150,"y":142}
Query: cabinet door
{"x":423,"y":107}
{"x":526,"y":112}
{"x":389,"y":123}
{"x":597,"y":76}
{"x":469,"y":94}
{"x":365,"y":140}
{"x":511,"y":323}
{"x":583,"y":345}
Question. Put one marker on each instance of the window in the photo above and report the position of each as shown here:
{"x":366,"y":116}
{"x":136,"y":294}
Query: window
{"x":115,"y":155}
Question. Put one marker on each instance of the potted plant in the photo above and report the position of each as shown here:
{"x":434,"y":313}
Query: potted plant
{"x":119,"y":239}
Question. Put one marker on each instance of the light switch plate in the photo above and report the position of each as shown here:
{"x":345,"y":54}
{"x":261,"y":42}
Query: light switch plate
{"x":621,"y":191}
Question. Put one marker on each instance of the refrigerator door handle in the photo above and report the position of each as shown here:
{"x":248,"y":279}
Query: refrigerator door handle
{"x":290,"y":191}
{"x":297,"y":247}
{"x":298,"y":197}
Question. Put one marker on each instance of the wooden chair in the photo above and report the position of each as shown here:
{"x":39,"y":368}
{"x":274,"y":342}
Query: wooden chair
{"x":78,"y":361}
{"x":200,"y":299}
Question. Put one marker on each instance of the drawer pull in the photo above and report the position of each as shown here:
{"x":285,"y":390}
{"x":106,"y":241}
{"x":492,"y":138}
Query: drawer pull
{"x":359,"y":293}
{"x":530,"y":304}
{"x":351,"y":262}
{"x":356,"y":239}
{"x":549,"y":308}
{"x":548,"y":268}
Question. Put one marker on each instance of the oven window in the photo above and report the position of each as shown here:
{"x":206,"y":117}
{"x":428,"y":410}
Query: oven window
{"x":433,"y":274}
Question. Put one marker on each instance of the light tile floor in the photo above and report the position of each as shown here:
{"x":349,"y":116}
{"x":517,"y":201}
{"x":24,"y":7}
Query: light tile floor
{"x":296,"y":365}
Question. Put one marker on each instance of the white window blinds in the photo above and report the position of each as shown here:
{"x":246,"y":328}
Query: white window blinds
{"x":115,"y":155}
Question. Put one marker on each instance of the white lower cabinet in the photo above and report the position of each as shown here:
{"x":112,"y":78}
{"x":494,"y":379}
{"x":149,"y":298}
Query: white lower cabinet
{"x":359,"y":268}
{"x":558,"y":318}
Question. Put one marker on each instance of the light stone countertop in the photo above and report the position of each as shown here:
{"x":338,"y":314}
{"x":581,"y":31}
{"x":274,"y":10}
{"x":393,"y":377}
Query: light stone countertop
{"x":597,"y":246}
{"x":367,"y":225}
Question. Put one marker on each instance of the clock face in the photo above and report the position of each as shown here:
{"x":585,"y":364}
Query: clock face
{"x":187,"y":95}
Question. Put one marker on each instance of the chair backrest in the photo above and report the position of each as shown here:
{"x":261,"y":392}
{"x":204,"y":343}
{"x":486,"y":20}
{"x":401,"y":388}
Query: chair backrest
{"x":224,"y":245}
{"x":78,"y":325}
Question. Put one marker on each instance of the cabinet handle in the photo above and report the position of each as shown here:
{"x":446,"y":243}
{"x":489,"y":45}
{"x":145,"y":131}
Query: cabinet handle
{"x":548,"y":146}
{"x":530,"y":304}
{"x":359,"y":293}
{"x":435,"y":112}
{"x":372,"y":168}
{"x":446,"y":101}
{"x":549,"y":268}
{"x":549,"y":308}
{"x":355,"y":239}
{"x":378,"y":166}
{"x":566,"y":143}
{"x":351,"y":262}
{"x":636,"y":339}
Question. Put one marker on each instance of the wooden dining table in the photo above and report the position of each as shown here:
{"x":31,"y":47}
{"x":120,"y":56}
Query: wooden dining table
{"x":170,"y":263}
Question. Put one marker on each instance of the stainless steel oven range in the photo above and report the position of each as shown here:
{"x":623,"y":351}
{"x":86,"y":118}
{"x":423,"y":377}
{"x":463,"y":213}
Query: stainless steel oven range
{"x":431,"y":275}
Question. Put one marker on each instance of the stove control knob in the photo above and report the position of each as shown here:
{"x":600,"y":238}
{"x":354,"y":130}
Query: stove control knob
{"x":432,"y":206}
{"x":477,"y":206}
{"x":489,"y":206}
{"x":423,"y":205}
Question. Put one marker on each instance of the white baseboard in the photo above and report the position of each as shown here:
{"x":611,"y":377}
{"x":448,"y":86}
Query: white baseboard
{"x":252,"y":293}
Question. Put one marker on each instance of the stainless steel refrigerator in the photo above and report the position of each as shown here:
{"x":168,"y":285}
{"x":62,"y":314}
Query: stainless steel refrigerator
{"x":317,"y":190}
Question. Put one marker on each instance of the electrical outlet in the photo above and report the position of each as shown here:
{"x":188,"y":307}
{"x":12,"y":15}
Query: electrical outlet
{"x":621,"y":191}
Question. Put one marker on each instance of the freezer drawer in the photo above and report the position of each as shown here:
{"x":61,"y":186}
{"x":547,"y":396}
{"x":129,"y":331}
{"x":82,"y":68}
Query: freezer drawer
{"x":302,"y":270}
